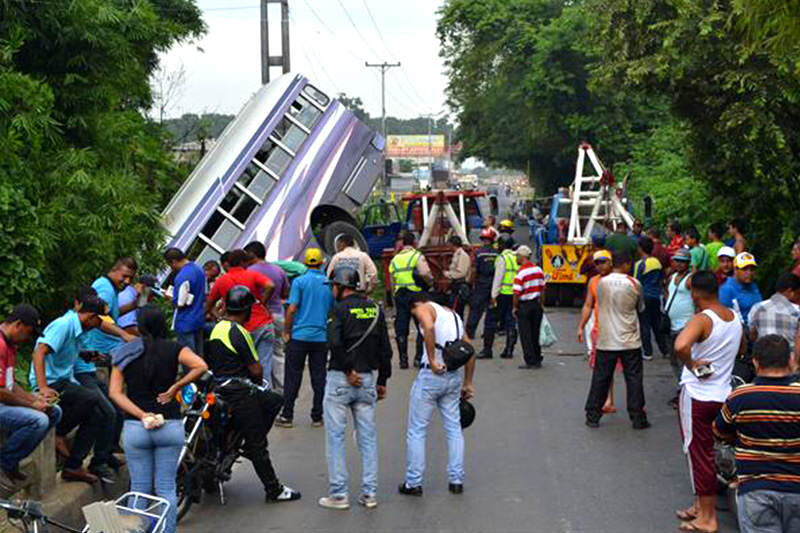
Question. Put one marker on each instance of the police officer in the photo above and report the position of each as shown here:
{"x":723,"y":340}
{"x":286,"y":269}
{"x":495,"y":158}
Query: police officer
{"x":505,"y":269}
{"x":359,"y":343}
{"x":405,"y":264}
{"x":485,"y":257}
{"x":232,"y":357}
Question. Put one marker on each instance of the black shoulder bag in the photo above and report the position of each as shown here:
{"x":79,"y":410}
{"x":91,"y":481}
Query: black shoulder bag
{"x":458,"y":352}
{"x":665,"y":325}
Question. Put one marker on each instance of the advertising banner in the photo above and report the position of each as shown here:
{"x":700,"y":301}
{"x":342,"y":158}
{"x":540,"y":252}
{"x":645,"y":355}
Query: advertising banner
{"x":399,"y":146}
{"x":562,"y":263}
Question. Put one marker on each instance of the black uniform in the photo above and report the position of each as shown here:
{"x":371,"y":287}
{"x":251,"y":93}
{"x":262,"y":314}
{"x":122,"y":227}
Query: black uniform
{"x":485,"y":257}
{"x":351,"y":319}
{"x":253,"y":410}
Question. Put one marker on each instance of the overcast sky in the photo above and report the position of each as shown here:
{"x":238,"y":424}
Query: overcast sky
{"x":223,"y":69}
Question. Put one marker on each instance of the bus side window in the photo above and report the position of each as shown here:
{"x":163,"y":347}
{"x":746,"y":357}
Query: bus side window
{"x":315,"y":94}
{"x":305,"y":113}
{"x":289,"y":134}
{"x":273,"y":157}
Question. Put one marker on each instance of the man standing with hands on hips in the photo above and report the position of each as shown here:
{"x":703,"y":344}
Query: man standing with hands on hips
{"x":436,"y":388}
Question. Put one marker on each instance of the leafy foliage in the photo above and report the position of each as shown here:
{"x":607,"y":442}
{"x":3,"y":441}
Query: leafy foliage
{"x":83,"y":175}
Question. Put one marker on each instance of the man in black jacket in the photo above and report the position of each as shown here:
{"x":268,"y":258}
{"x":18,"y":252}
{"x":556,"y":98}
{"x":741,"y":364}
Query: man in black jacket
{"x":359,"y":343}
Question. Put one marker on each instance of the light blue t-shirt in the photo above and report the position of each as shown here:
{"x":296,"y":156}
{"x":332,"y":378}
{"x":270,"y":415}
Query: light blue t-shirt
{"x":129,"y":295}
{"x":95,"y":339}
{"x":64,"y":336}
{"x":739,"y":296}
{"x":314,"y":300}
{"x":681,"y":308}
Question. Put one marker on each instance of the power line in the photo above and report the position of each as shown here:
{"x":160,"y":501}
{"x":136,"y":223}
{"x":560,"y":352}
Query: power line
{"x":352,"y":23}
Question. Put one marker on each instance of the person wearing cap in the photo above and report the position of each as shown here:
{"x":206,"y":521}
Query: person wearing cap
{"x":188,"y":300}
{"x":261,"y":287}
{"x":528,"y":290}
{"x":741,"y":292}
{"x":505,"y":270}
{"x":724,"y":269}
{"x":587,"y":327}
{"x":347,"y":254}
{"x":407,"y":268}
{"x":25,"y":418}
{"x":679,"y":307}
{"x":306,"y":336}
{"x":485,"y":257}
{"x":52,"y":375}
{"x":458,"y":275}
{"x":359,"y":343}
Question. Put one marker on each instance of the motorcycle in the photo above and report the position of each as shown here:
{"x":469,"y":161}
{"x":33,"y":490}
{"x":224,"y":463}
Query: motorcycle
{"x":211,"y":446}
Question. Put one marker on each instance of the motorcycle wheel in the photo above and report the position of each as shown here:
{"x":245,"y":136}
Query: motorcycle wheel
{"x":184,"y":490}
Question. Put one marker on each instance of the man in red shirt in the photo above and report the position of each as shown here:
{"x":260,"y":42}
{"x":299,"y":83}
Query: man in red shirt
{"x":675,"y":238}
{"x":260,"y":323}
{"x":660,"y":251}
{"x":26,"y":418}
{"x":528,"y":288}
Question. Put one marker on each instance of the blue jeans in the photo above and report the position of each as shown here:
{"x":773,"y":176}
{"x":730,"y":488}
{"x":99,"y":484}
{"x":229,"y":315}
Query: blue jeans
{"x":153,"y":461}
{"x":263,"y":339}
{"x":429,"y":392}
{"x":25,"y":428}
{"x":768,"y":511}
{"x":341,"y":397}
{"x":192,"y":340}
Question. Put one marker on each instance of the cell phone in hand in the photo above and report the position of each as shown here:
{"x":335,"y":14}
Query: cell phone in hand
{"x":703,"y":371}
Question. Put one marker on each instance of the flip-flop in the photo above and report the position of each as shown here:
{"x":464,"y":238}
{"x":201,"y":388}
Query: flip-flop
{"x":689,"y":526}
{"x":685,"y":515}
{"x":609,"y":410}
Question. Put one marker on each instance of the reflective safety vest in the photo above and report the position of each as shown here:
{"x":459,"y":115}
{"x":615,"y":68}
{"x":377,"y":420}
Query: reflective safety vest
{"x":510,"y":260}
{"x":402,"y":270}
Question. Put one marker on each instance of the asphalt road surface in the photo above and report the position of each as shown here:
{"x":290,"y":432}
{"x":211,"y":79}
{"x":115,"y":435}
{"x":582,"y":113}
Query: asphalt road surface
{"x":531,"y":463}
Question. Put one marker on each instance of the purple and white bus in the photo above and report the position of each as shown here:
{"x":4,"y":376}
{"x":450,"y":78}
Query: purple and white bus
{"x":293,"y":165}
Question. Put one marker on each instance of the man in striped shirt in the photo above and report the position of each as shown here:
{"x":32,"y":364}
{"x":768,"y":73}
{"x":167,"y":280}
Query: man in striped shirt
{"x":528,"y":287}
{"x":762,"y":420}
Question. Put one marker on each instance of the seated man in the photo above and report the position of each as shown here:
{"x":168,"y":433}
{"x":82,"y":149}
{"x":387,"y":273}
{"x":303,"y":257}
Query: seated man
{"x":231,"y":355}
{"x":52,"y":374}
{"x":25,"y":418}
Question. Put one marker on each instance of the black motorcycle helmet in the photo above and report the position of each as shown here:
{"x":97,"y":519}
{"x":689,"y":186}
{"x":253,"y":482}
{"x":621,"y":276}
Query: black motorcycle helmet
{"x":346,"y":276}
{"x":467,"y":413}
{"x":239,"y":299}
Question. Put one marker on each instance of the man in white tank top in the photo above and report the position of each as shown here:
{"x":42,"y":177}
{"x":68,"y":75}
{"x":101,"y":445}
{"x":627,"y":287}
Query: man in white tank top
{"x":707,"y":346}
{"x":436,"y":388}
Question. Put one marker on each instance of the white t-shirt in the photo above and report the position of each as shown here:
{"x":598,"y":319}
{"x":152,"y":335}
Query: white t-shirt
{"x":720,"y":348}
{"x":448,"y":327}
{"x":619,"y":301}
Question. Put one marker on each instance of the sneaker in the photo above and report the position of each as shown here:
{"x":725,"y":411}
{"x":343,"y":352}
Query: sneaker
{"x":287,"y":494}
{"x":647,"y":357}
{"x":483,"y":355}
{"x":642,"y":424}
{"x":592,"y":423}
{"x":456,"y":488}
{"x":78,"y":474}
{"x":368,"y":501}
{"x":338,"y":501}
{"x":409,"y":491}
{"x":104,"y":474}
{"x":283,"y":422}
{"x":317,"y":423}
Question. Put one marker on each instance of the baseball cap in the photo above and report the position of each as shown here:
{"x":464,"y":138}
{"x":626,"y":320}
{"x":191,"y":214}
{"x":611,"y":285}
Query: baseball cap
{"x":524,"y":251}
{"x":726,"y":251}
{"x":313,"y":257}
{"x":601,"y":255}
{"x":744,"y":259}
{"x":682,"y":255}
{"x":28,"y":315}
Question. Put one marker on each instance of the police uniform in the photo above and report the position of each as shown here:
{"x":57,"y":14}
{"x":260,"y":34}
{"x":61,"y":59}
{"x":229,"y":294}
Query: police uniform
{"x":229,"y":352}
{"x":402,"y":268}
{"x":503,"y":291}
{"x":485,"y":258}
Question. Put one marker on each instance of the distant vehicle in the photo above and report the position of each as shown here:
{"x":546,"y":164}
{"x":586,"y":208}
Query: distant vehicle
{"x":293,"y":166}
{"x":466,"y":205}
{"x":381,"y":226}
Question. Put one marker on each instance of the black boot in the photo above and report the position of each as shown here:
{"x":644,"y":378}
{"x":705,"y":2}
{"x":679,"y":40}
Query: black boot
{"x":511,"y":341}
{"x":488,"y":341}
{"x":402,"y":351}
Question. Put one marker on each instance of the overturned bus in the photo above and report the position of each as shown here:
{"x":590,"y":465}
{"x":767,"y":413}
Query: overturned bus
{"x":294,"y":165}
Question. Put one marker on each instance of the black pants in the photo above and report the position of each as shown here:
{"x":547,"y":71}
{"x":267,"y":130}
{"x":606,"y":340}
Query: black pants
{"x":403,"y":318}
{"x":650,"y":320}
{"x":91,"y":381}
{"x":296,"y":352}
{"x":601,"y":381}
{"x":480,"y":303}
{"x":253,"y":414}
{"x":529,"y":321}
{"x":459,"y":296}
{"x":86,"y":409}
{"x":505,"y":312}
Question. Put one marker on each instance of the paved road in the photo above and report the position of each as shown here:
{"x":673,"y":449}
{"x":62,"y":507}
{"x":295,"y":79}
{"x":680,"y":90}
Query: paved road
{"x":531,"y":463}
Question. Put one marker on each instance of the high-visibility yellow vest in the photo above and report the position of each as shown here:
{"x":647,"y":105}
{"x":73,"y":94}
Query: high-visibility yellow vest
{"x":510,"y":260}
{"x":402,"y":270}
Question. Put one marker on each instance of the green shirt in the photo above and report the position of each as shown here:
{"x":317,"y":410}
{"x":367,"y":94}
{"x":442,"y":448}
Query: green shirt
{"x":699,"y":257}
{"x":713,"y":249}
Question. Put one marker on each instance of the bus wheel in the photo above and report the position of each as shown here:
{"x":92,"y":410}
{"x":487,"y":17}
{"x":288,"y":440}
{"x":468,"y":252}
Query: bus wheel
{"x":335,"y":230}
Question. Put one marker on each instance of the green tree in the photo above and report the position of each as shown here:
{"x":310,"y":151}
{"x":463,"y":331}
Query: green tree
{"x":83,"y":174}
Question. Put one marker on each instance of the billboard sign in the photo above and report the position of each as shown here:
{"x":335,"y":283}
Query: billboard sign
{"x":415,"y":145}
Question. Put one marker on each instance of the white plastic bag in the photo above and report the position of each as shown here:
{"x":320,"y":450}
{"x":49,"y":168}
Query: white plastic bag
{"x":547,"y":335}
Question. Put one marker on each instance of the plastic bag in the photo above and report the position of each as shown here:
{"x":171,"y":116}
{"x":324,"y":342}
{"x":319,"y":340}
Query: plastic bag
{"x":547,"y":335}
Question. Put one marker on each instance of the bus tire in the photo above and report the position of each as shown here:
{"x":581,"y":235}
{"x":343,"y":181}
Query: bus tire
{"x":333,"y":231}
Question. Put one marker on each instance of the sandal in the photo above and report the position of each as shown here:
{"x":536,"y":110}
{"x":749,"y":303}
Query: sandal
{"x":690,"y":526}
{"x":686,"y":515}
{"x":610,"y":409}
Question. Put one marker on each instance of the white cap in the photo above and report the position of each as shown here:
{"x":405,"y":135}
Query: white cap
{"x":726,"y":251}
{"x":524,"y":251}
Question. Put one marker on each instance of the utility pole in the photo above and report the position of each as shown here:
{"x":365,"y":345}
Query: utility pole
{"x":274,"y":61}
{"x":384,"y":67}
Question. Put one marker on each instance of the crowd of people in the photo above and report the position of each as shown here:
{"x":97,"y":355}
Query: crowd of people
{"x":700,"y":305}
